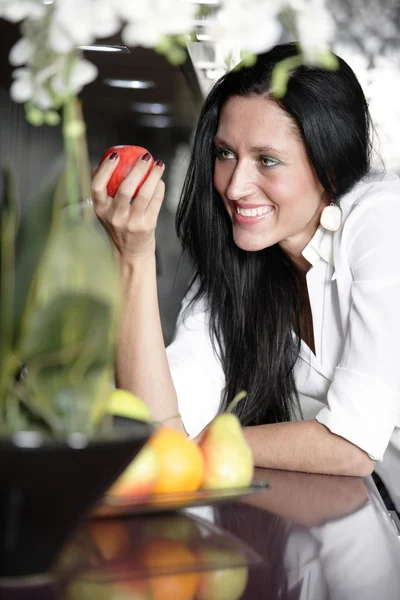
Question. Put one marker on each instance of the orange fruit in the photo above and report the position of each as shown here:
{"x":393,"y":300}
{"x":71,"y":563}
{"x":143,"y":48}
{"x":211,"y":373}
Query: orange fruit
{"x":180,"y":461}
{"x":111,"y":537}
{"x":163,"y":554}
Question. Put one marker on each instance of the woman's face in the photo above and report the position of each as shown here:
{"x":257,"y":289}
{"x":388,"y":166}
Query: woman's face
{"x":264,"y":176}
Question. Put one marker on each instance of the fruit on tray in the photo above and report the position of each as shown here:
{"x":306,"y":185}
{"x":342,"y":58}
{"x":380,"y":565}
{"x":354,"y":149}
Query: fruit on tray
{"x":181,"y":464}
{"x":122,"y":403}
{"x":172,"y":463}
{"x":140,"y":477}
{"x":228,"y":460}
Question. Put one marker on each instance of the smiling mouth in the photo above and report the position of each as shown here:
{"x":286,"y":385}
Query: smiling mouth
{"x":253,"y":212}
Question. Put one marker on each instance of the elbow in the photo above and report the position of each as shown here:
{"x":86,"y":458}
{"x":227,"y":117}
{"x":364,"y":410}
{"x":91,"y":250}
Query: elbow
{"x":360,"y":465}
{"x":366,"y":466}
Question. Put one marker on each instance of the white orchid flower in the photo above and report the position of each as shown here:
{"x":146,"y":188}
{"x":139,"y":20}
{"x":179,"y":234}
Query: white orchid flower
{"x":82,"y":73}
{"x":148,"y":22}
{"x":315,"y":28}
{"x":21,"y":52}
{"x":42,"y":98}
{"x":21,"y":89}
{"x":17,"y":10}
{"x":248,"y":24}
{"x":29,"y":86}
{"x":80,"y":22}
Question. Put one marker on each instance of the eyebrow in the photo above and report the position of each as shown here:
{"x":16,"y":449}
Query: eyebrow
{"x":259,"y":149}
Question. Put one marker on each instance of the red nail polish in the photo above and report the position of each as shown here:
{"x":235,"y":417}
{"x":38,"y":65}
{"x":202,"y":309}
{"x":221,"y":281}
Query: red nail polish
{"x":113,"y":156}
{"x":159,"y":163}
{"x":146,"y":157}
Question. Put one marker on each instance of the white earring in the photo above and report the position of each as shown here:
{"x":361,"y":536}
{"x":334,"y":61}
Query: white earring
{"x":331,"y":217}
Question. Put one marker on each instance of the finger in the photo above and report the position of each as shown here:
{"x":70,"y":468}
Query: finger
{"x":101,"y":178}
{"x":154,"y":207}
{"x":129,"y":185}
{"x":144,"y":197}
{"x":94,"y":171}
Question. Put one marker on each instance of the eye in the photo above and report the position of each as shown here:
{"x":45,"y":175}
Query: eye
{"x":223,"y":154}
{"x":267,"y":161}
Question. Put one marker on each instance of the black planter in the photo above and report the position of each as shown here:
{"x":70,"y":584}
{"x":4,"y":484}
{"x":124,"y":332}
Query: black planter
{"x":47,"y":487}
{"x":29,"y":588}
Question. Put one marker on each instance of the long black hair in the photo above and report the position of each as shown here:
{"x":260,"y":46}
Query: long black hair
{"x":256,"y":299}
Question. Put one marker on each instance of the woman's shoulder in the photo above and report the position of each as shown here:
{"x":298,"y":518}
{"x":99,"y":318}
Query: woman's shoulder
{"x":379,"y":190}
{"x":371,"y":217}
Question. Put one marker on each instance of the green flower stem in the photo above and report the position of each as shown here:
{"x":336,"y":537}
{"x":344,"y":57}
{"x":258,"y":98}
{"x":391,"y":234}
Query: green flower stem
{"x":7,"y":270}
{"x":77,"y":177}
{"x":281,"y":74}
{"x":71,"y":174}
{"x":240,"y":396}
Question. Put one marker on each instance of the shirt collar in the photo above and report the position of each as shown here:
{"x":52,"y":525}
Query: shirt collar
{"x":320,"y":246}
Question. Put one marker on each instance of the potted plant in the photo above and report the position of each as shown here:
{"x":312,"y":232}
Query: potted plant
{"x":59,"y":300}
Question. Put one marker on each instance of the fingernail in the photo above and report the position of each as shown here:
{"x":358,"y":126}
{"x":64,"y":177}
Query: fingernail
{"x":146,"y":157}
{"x":113,"y":156}
{"x":159,"y":163}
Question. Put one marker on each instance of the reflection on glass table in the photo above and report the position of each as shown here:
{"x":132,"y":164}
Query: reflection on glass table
{"x":321,"y":538}
{"x":169,"y":555}
{"x":306,"y":537}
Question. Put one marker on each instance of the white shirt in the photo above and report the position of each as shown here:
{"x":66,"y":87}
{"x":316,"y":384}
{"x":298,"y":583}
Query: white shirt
{"x":354,"y":290}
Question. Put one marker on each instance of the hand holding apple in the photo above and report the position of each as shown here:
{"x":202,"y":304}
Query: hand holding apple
{"x":128,"y":156}
{"x":127,"y":193}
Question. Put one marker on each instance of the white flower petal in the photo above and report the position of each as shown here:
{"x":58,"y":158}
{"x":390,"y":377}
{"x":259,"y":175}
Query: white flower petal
{"x":22,"y":72}
{"x":141,"y":35}
{"x":21,"y":52}
{"x":17,"y":10}
{"x":247,"y":24}
{"x":82,"y":73}
{"x":58,"y":85}
{"x":148,"y":21}
{"x":59,"y":40}
{"x":316,"y":29}
{"x":21,"y":89}
{"x":106,"y":19}
{"x":42,"y":98}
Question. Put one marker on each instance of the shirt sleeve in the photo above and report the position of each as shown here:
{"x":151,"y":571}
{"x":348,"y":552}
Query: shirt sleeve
{"x":363,"y":401}
{"x":196,"y":370}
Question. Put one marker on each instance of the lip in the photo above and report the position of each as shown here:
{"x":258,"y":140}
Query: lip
{"x":241,"y":220}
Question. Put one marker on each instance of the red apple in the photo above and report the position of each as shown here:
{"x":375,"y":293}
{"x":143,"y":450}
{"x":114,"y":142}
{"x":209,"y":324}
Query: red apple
{"x":128,"y":155}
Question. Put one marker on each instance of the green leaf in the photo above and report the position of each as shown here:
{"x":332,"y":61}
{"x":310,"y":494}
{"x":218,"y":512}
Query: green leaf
{"x":32,"y":237}
{"x":78,"y":259}
{"x":68,"y":346}
{"x":69,"y":328}
{"x":66,"y":327}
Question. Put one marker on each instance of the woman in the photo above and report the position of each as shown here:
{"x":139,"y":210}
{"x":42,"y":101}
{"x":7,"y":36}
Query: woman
{"x":280,"y":304}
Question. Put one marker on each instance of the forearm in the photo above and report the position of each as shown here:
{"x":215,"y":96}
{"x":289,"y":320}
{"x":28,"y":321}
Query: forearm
{"x":309,"y":499}
{"x":306,"y":446}
{"x":141,"y":361}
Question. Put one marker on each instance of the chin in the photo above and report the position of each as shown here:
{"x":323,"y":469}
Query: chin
{"x":250,"y":244}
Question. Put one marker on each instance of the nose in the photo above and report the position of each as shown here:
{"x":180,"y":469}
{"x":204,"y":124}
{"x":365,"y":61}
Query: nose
{"x":240,"y":184}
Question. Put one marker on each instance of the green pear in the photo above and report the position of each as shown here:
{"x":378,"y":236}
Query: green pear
{"x":225,"y":573}
{"x":124,"y":590}
{"x":228,"y":459}
{"x":176,"y":527}
{"x":222,"y":584}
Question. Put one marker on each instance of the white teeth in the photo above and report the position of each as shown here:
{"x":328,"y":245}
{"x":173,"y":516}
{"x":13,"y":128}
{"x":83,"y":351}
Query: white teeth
{"x":254,"y":212}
